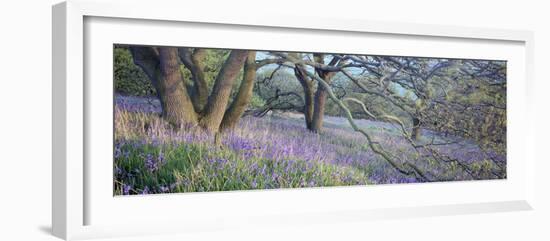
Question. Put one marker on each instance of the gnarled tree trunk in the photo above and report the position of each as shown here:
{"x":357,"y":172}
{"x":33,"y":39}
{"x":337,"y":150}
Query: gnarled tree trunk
{"x":162,"y":67}
{"x":194,"y":62}
{"x":217,"y":101}
{"x":179,"y":109}
{"x":179,"y":106}
{"x":241,"y":101}
{"x":319,"y":109}
{"x":321,"y":94}
{"x":148,"y":60}
{"x":307,"y":86}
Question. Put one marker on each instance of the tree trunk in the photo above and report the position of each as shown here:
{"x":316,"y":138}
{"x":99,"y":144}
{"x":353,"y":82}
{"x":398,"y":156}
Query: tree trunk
{"x":148,"y":60}
{"x":307,"y":86}
{"x":194,"y":62}
{"x":217,"y":101}
{"x":319,"y":109}
{"x":178,"y":108}
{"x":320,"y":95}
{"x":309,"y":106}
{"x":415,"y":129}
{"x":241,"y":101}
{"x":162,"y":67}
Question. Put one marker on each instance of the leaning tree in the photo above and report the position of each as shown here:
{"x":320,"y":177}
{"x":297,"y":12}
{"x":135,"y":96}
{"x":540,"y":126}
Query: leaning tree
{"x":390,"y":79}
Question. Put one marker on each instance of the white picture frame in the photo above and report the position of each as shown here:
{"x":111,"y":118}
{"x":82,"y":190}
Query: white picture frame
{"x":80,"y":26}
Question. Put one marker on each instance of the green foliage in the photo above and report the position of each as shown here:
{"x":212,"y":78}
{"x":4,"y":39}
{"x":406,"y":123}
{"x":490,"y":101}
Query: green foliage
{"x":213,"y":63}
{"x":129,"y":79}
{"x":256,"y":101}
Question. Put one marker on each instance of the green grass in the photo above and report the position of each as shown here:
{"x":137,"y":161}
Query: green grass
{"x":200,"y":167}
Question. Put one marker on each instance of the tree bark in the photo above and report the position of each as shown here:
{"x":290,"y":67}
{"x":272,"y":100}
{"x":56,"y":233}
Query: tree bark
{"x":194,"y":62}
{"x":178,"y":106}
{"x":217,"y":101}
{"x":319,"y":109}
{"x":147,"y":58}
{"x":241,"y":101}
{"x":320,"y":95}
{"x":162,"y":67}
{"x":307,"y":86}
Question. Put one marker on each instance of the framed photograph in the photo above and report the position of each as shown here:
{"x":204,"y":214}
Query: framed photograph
{"x":169,"y":123}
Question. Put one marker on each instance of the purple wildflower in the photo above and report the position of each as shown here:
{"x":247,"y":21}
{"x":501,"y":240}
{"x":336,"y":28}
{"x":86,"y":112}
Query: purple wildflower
{"x":126,"y":189}
{"x":145,"y":190}
{"x":151,"y":163}
{"x":118,"y":170}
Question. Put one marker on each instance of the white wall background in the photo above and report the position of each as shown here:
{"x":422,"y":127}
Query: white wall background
{"x":25,"y":119}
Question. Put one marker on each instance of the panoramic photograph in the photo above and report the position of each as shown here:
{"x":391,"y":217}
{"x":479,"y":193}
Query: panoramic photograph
{"x":189,"y":119}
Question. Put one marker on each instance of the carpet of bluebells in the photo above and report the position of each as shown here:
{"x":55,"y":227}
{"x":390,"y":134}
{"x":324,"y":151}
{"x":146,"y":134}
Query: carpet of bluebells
{"x":264,"y":153}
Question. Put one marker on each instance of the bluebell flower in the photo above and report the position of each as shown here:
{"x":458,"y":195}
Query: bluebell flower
{"x":150,"y":163}
{"x":126,"y":189}
{"x":145,"y":190}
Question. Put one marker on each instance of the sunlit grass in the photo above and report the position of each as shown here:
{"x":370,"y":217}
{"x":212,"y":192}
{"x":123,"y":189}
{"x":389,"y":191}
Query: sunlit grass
{"x":147,"y":168}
